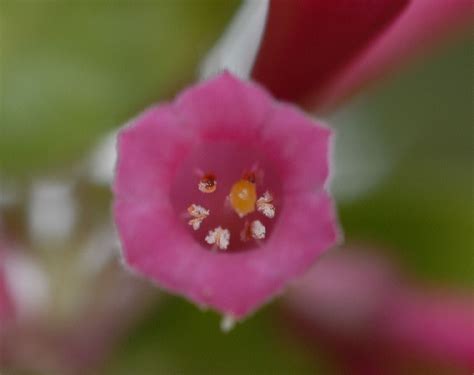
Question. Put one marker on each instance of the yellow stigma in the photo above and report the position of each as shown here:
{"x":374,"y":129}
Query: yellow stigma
{"x":243,"y":196}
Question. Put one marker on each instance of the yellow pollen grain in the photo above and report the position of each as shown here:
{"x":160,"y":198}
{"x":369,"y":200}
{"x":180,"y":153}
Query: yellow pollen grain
{"x":243,"y":196}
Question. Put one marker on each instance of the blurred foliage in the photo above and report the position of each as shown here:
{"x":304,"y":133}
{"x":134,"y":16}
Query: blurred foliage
{"x":71,"y":70}
{"x":177,"y":339}
{"x":423,"y":211}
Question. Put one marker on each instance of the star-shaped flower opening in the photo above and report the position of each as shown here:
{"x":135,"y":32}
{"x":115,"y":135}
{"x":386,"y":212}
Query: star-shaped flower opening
{"x":220,"y":195}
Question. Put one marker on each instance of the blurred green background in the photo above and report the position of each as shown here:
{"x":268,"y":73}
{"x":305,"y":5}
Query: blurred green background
{"x":73,"y":70}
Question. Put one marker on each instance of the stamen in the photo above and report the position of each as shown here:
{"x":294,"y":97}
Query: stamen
{"x":198,"y":213}
{"x":265,"y":206}
{"x":208,"y":183}
{"x":254,"y":174}
{"x":242,"y":199}
{"x":245,"y":234}
{"x":258,"y":230}
{"x":250,"y":177}
{"x":255,"y":230}
{"x":219,"y":237}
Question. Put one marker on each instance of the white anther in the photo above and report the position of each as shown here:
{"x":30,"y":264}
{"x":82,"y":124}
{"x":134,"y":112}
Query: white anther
{"x":198,"y":214}
{"x":219,"y":237}
{"x":265,"y":206}
{"x":257,"y":229}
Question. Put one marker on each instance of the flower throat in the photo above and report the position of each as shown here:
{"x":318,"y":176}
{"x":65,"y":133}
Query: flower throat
{"x":231,"y":206}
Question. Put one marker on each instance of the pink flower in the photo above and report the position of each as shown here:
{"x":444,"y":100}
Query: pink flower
{"x":219,"y":196}
{"x":354,"y":305}
{"x":328,"y":49}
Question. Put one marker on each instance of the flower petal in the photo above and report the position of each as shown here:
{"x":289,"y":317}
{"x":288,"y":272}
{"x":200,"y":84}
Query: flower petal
{"x":356,"y":304}
{"x":308,"y":42}
{"x":421,"y":24}
{"x":160,"y":249}
{"x":436,"y":325}
{"x":153,"y":146}
{"x":303,"y":157}
{"x":224,"y":107}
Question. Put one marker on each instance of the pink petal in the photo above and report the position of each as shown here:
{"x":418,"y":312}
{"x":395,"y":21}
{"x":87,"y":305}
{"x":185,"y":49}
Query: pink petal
{"x":355,"y":305}
{"x":318,"y":52}
{"x":433,"y":325}
{"x":237,"y":283}
{"x":152,"y":151}
{"x":305,"y":151}
{"x":156,"y":142}
{"x":308,"y":42}
{"x":423,"y":23}
{"x":225,"y":108}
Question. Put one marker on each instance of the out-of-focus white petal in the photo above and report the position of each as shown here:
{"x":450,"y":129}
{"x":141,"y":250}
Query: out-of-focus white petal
{"x":52,"y":211}
{"x":101,"y":163}
{"x":237,"y":49}
{"x":28,"y":285}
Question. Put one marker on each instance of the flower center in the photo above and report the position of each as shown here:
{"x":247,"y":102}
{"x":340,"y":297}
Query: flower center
{"x":227,"y":195}
{"x":243,"y":196}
